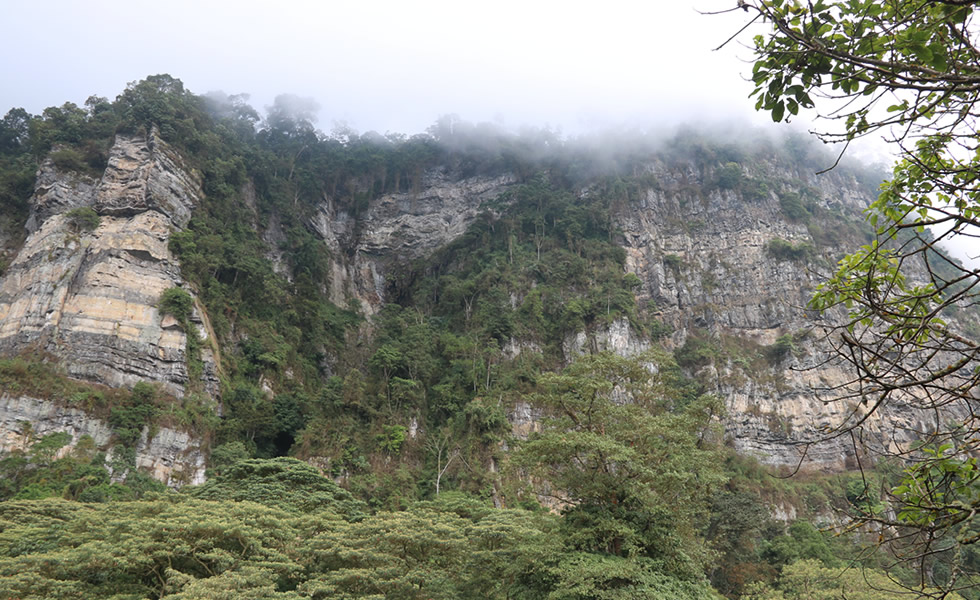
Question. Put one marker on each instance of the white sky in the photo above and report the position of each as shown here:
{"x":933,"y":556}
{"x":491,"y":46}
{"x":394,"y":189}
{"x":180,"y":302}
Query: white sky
{"x":393,"y":65}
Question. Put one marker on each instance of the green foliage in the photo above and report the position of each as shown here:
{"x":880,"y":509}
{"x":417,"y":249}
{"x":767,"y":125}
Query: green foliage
{"x":737,"y":529}
{"x":175,"y":547}
{"x":83,"y":218}
{"x":224,"y":456}
{"x":849,"y":60}
{"x":582,"y":576}
{"x":784,"y":347}
{"x":43,"y":450}
{"x":390,"y":442}
{"x":36,"y":377}
{"x":126,"y":411}
{"x":545,"y":268}
{"x":697,"y":352}
{"x":781,"y":249}
{"x":728,"y":176}
{"x":177,"y":302}
{"x":67,"y":159}
{"x":802,"y":541}
{"x":466,"y":333}
{"x":634,"y":474}
{"x":792,"y":206}
{"x":935,"y":493}
{"x":128,"y":421}
{"x":163,"y":548}
{"x":674,"y":263}
{"x":811,"y":580}
{"x":284,"y":483}
{"x":48,"y":470}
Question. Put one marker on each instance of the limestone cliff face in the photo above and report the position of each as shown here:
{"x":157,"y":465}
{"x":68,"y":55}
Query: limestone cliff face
{"x":89,"y":297}
{"x":170,"y":456}
{"x":398,"y":228}
{"x":701,"y":253}
{"x":700,"y":250}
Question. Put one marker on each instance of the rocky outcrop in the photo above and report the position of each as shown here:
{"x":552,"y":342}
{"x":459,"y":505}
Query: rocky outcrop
{"x":618,"y":338}
{"x":170,"y":456}
{"x":146,"y":175}
{"x":56,"y":192}
{"x":701,"y":254}
{"x":398,"y":228}
{"x":700,"y":250}
{"x":89,"y":297}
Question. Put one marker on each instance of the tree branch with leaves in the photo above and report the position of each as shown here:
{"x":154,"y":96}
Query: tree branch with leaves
{"x":908,"y":70}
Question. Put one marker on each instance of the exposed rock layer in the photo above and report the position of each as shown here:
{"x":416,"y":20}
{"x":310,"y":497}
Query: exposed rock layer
{"x":701,"y":254}
{"x":90,"y":298}
{"x":398,"y":228}
{"x":170,"y":456}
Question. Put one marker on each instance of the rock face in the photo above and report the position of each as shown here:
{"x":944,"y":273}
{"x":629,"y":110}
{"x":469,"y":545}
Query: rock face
{"x":618,"y":338}
{"x":147,"y":175}
{"x":398,"y":228}
{"x":170,"y":456}
{"x":701,"y":254}
{"x":56,"y":192}
{"x":89,"y":297}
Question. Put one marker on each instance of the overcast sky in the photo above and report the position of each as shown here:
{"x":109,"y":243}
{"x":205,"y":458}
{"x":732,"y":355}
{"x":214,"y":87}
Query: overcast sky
{"x":393,"y":65}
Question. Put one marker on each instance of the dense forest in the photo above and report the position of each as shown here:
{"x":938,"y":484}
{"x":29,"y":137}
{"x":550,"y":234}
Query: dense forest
{"x":420,"y":488}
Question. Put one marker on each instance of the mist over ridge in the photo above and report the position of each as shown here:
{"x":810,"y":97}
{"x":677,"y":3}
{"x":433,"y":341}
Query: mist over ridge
{"x":607,"y":144}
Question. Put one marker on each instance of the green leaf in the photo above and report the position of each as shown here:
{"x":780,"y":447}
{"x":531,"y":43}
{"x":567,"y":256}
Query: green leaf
{"x":777,"y":111}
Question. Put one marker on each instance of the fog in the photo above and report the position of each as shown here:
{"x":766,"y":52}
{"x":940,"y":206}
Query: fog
{"x":394,"y":66}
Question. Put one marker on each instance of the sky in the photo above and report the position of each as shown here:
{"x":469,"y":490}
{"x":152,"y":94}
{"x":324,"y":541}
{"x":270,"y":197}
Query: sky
{"x":395,"y":66}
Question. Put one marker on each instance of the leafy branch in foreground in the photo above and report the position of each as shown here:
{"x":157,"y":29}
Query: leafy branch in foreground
{"x":909,"y":69}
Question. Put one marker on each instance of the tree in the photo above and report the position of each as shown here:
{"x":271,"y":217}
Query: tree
{"x":177,"y":302}
{"x":168,"y":547}
{"x":909,"y":69}
{"x":83,"y":218}
{"x":631,"y":466}
{"x":809,"y":580}
{"x":283,"y":483}
{"x":406,"y":555}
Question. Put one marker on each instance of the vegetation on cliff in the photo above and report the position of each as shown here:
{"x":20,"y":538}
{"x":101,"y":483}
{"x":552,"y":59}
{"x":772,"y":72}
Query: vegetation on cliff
{"x":408,"y":409}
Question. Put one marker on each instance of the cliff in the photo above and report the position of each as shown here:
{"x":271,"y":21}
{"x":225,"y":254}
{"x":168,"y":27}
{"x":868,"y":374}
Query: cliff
{"x":168,"y":455}
{"x":86,"y":294}
{"x":398,"y":228}
{"x":89,"y":296}
{"x":709,"y":263}
{"x":701,"y":237}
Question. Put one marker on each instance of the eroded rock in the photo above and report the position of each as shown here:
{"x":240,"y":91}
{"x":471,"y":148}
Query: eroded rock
{"x":90,"y":298}
{"x":170,"y":456}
